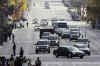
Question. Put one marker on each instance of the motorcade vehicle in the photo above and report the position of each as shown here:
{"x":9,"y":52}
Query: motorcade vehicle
{"x":43,"y":45}
{"x":54,"y":40}
{"x":65,"y":34}
{"x":68,"y":51}
{"x":44,"y":22}
{"x":46,"y":29}
{"x":74,"y":33}
{"x":37,"y":27}
{"x":84,"y":48}
{"x":45,"y":35}
{"x":60,"y":26}
{"x":83,"y":41}
{"x":55,"y":20}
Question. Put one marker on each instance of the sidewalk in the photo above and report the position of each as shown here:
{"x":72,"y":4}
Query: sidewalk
{"x":5,"y":50}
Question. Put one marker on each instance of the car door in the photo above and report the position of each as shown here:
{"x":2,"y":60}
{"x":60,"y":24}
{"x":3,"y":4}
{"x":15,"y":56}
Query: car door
{"x":65,"y":51}
{"x":60,"y":51}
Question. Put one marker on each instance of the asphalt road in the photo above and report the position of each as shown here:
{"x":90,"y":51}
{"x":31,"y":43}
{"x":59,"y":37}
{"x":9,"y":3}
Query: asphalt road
{"x":26,"y":37}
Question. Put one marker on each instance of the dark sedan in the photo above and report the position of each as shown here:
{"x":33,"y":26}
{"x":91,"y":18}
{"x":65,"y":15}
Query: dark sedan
{"x":69,"y":51}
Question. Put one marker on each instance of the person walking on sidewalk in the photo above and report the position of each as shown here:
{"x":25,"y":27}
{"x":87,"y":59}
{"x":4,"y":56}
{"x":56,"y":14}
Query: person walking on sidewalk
{"x":27,"y":24}
{"x":14,"y":49}
{"x":21,"y":52}
{"x":13,"y":37}
{"x":38,"y":62}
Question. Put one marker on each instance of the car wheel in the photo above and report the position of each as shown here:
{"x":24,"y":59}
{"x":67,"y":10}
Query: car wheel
{"x":36,"y":52}
{"x":81,"y":57}
{"x":54,"y":53}
{"x":57,"y":55}
{"x":57,"y":45}
{"x":89,"y":53}
{"x":48,"y":51}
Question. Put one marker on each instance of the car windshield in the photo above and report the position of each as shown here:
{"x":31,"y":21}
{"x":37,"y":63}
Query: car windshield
{"x":52,"y":38}
{"x":73,"y":49}
{"x":73,"y":32}
{"x":44,"y":37}
{"x":45,"y":34}
{"x":82,"y":46}
{"x":83,"y":40}
{"x":74,"y":29}
{"x":62,"y":25}
{"x":42,"y":43}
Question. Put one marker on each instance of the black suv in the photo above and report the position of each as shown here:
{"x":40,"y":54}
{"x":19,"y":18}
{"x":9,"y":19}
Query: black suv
{"x":42,"y":45}
{"x":68,"y":51}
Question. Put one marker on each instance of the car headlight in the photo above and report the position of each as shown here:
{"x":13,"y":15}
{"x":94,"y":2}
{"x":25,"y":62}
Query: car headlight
{"x":56,"y":41}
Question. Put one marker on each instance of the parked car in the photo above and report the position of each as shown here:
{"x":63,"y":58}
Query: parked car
{"x":84,"y":48}
{"x":68,"y":51}
{"x":54,"y":40}
{"x":42,"y":46}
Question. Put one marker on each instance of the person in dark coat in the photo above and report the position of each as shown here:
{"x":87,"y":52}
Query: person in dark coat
{"x":27,"y":24}
{"x":14,"y":49}
{"x":13,"y":37}
{"x":21,"y":52}
{"x":3,"y":61}
{"x":38,"y":62}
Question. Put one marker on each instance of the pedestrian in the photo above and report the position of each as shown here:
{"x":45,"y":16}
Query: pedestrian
{"x":25,"y":63}
{"x":13,"y":37}
{"x":21,"y":52}
{"x":9,"y":35}
{"x":17,"y":61}
{"x":8,"y":62}
{"x":12,"y":61}
{"x":29,"y":62}
{"x":27,"y":24}
{"x":14,"y":49}
{"x":3,"y":61}
{"x":38,"y":62}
